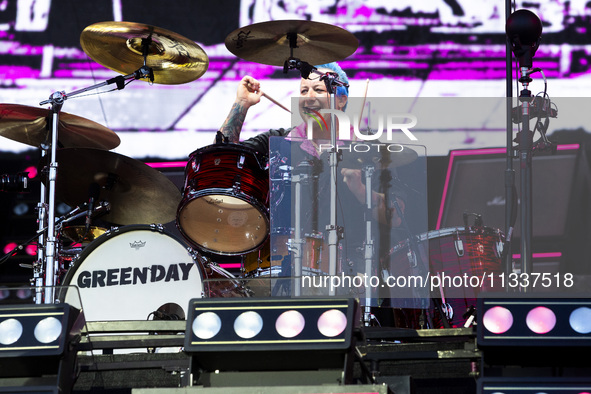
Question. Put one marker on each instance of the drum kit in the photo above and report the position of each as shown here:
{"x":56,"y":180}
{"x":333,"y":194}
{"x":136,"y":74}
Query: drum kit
{"x":223,"y":209}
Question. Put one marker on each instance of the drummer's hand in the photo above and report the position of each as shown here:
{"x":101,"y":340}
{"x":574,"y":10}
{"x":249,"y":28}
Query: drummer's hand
{"x":248,"y":93}
{"x":352,"y":179}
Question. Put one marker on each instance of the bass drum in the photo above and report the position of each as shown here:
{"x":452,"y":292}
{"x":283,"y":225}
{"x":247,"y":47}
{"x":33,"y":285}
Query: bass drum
{"x":136,"y":272}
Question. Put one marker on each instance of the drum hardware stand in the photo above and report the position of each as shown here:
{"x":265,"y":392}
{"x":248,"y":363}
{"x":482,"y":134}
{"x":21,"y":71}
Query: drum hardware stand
{"x":45,"y":268}
{"x":295,"y":244}
{"x":331,"y":81}
{"x":368,"y":246}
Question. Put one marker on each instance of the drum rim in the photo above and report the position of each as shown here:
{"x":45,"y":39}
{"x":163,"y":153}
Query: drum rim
{"x":195,"y":195}
{"x":230,"y":146}
{"x":447,"y":231}
{"x":224,"y":191}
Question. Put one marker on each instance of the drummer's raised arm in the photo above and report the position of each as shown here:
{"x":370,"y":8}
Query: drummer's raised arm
{"x":248,"y":94}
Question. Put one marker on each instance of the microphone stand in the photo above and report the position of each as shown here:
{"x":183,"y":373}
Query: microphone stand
{"x":47,"y":203}
{"x":510,"y":202}
{"x":524,"y":31}
{"x":331,"y":81}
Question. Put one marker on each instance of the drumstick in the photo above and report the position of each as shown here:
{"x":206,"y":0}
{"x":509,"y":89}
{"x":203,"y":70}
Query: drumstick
{"x":271,"y":99}
{"x":274,"y":101}
{"x":363,"y":105}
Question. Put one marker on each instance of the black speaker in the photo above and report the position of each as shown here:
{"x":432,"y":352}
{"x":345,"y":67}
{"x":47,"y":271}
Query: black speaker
{"x":475,"y":184}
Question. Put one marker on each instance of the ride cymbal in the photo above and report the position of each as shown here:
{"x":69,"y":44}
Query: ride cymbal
{"x":272,"y":42}
{"x":30,"y":125}
{"x":120,"y":46}
{"x":137,"y":193}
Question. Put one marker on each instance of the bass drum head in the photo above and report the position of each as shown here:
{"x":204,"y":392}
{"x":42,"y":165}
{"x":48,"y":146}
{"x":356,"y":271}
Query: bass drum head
{"x":132,"y":272}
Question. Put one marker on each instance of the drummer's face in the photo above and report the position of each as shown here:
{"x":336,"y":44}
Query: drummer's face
{"x":314,"y":96}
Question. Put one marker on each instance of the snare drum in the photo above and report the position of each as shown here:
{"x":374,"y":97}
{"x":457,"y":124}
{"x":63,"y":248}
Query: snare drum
{"x":224,"y":208}
{"x":460,"y":256}
{"x":130,"y":272}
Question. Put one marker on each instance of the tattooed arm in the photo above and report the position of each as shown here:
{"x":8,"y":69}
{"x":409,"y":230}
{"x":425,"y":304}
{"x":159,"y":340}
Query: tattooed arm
{"x":248,"y":94}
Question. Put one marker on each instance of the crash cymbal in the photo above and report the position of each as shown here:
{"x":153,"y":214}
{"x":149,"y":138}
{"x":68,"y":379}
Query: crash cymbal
{"x":381,"y":160}
{"x":30,"y":126}
{"x":268,"y":42}
{"x":137,"y":193}
{"x":118,"y":46}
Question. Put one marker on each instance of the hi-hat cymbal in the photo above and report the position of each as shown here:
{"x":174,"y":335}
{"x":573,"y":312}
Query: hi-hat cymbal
{"x":268,"y":42}
{"x":118,"y":46}
{"x":30,"y":125}
{"x":79,"y":234}
{"x":137,"y":193}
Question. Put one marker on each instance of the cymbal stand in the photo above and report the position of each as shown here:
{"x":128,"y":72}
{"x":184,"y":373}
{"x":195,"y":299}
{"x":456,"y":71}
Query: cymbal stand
{"x":295,"y":244}
{"x":46,"y":265}
{"x":47,"y":210}
{"x":331,"y":81}
{"x":368,"y":246}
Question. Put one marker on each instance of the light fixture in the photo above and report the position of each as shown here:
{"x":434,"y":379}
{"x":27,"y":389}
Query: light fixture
{"x":538,"y":385}
{"x":273,"y":339}
{"x":37,"y":344}
{"x":533,"y":329}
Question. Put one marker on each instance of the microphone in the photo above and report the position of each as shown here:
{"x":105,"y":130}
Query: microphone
{"x":93,"y":194}
{"x":524,"y":31}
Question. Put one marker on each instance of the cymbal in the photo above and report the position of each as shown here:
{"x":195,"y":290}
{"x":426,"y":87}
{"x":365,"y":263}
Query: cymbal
{"x":173,"y":58}
{"x":380,"y":160}
{"x":79,"y":234}
{"x":137,"y":193}
{"x":30,"y":126}
{"x":268,"y":43}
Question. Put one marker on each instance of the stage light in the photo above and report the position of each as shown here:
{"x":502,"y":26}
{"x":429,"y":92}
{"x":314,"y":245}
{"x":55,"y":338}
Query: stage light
{"x":48,"y":330}
{"x":248,"y":324}
{"x":290,"y":323}
{"x":255,"y":335}
{"x":10,"y":331}
{"x":9,"y":247}
{"x":37,"y":344}
{"x":31,"y":250}
{"x":534,"y":386}
{"x":207,"y":325}
{"x":526,"y":329}
{"x":540,"y":320}
{"x":20,"y":209}
{"x":331,"y":323}
{"x":497,"y":319}
{"x":580,"y":320}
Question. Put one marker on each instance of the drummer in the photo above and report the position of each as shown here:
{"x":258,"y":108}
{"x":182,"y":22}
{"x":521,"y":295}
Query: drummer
{"x":351,"y":206}
{"x":313,"y":95}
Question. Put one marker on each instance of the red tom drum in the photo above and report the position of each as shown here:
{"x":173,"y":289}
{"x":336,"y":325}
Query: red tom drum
{"x":225,"y":205}
{"x":460,"y":256}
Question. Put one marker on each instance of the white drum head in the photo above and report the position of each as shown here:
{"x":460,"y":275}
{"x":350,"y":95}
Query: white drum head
{"x":131,"y":272}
